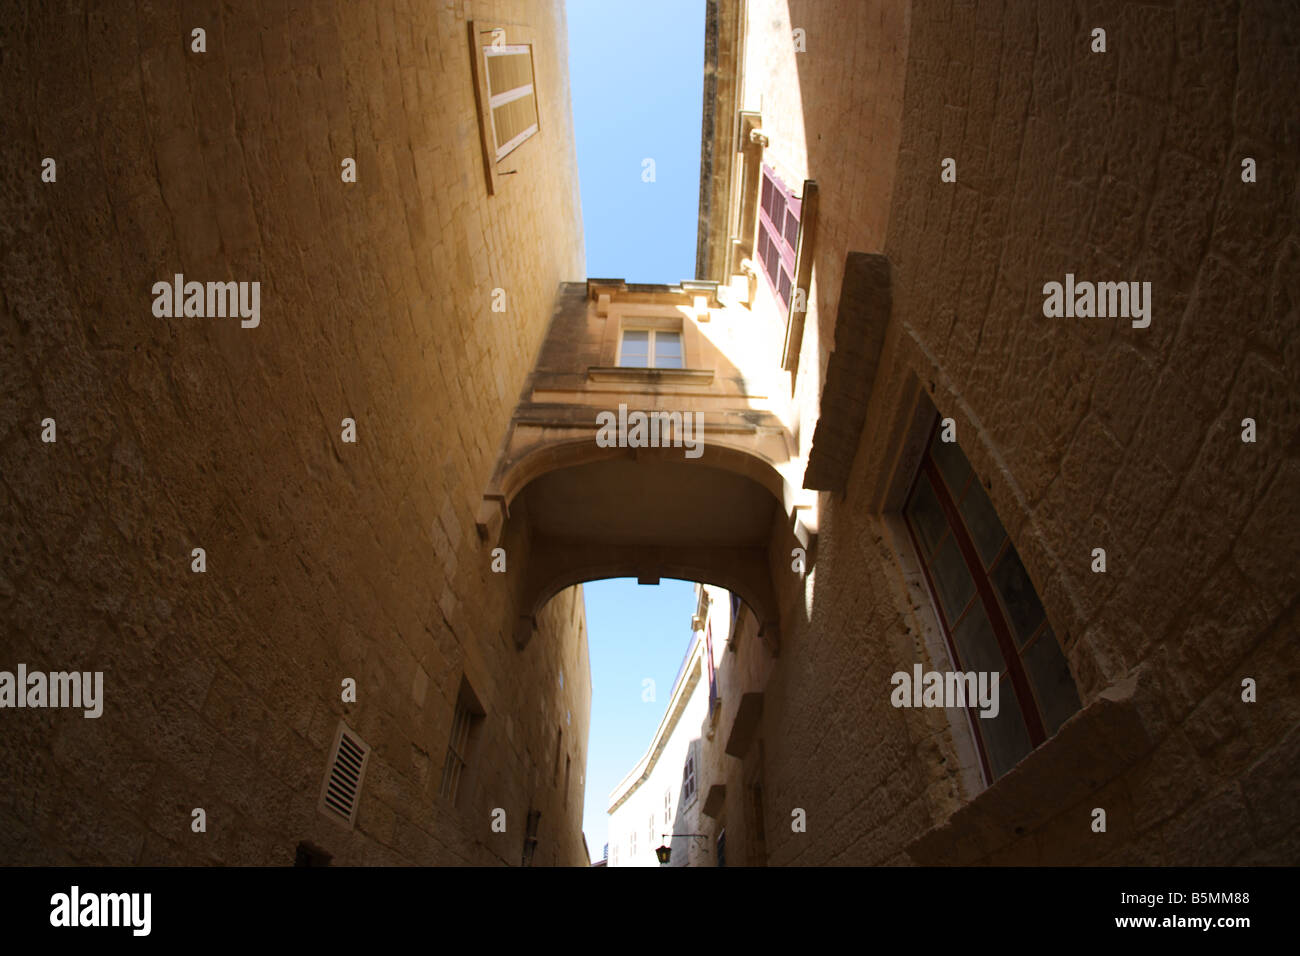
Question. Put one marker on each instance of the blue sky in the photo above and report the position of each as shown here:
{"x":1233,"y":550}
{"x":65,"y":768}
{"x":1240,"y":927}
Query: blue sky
{"x":637,"y":75}
{"x":634,"y":632}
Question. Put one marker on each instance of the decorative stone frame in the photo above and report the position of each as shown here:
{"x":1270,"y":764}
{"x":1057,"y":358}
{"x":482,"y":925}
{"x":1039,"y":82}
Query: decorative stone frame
{"x":621,"y":316}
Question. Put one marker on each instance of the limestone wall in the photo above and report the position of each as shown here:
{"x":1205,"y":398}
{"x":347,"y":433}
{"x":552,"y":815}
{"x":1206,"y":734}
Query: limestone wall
{"x":1088,"y":432}
{"x":324,"y":559}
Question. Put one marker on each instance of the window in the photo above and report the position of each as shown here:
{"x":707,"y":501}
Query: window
{"x":713,"y":676}
{"x":990,"y":612}
{"x":468,"y":714}
{"x":688,"y":774}
{"x":650,"y":348}
{"x":668,"y":808}
{"x":650,"y":831}
{"x":778,"y":235}
{"x":512,"y":101}
{"x":631,"y":848}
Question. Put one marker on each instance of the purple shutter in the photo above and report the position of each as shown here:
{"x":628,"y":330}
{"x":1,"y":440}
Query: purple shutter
{"x":778,"y":234}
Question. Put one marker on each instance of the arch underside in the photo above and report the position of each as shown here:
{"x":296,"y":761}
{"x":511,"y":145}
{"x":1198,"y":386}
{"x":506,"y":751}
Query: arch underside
{"x":647,"y":518}
{"x":743,"y":571}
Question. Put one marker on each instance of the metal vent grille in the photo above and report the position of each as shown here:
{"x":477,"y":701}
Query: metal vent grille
{"x":341,"y":792}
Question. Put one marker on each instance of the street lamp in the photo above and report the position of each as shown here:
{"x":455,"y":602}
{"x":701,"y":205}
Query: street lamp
{"x":664,"y":852}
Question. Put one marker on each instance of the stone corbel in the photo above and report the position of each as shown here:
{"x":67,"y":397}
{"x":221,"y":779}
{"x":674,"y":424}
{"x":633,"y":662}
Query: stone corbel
{"x":750,"y":272}
{"x":803,"y":524}
{"x":492,"y":514}
{"x":751,"y":131}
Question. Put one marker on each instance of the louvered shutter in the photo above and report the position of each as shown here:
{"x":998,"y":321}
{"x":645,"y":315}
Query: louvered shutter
{"x":512,"y":99}
{"x":778,"y":234}
{"x":341,"y":792}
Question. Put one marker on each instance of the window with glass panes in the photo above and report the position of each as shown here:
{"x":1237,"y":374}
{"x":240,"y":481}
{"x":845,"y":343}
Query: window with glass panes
{"x":457,"y":752}
{"x":688,"y":774}
{"x":650,"y":348}
{"x":990,"y":612}
{"x":465,"y":718}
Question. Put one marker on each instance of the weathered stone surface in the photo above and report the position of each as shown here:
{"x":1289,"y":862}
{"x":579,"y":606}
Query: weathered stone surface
{"x":325,"y":560}
{"x":329,"y":560}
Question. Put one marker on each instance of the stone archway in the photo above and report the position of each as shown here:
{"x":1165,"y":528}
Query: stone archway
{"x":644,"y":513}
{"x":712,"y":493}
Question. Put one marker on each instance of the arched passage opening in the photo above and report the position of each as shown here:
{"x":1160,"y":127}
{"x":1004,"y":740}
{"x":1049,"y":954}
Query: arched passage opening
{"x":645,"y":514}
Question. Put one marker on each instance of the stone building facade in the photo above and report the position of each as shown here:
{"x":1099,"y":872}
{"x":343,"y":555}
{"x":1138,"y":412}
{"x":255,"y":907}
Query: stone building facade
{"x":658,"y":804}
{"x":734,"y":812}
{"x":1083,"y":505}
{"x":925,"y":302}
{"x":887,"y":191}
{"x":325,"y":559}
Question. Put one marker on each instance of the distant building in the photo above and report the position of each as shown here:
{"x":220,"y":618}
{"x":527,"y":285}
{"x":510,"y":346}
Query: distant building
{"x":659,"y":802}
{"x":713,"y":793}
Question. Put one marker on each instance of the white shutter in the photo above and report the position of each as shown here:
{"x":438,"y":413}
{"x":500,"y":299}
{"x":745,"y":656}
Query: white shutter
{"x":512,"y":100}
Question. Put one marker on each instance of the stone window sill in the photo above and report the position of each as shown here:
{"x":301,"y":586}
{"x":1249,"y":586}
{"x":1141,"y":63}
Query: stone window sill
{"x":650,"y":376}
{"x":1091,"y":748}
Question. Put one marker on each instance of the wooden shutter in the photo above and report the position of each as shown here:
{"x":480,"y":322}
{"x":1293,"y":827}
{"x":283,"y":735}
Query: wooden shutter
{"x":778,"y":234}
{"x":512,"y":100}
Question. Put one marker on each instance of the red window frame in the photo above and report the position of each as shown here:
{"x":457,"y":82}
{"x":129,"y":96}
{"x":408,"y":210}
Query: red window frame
{"x":779,"y":221}
{"x":986,"y":595}
{"x":713,"y":678}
